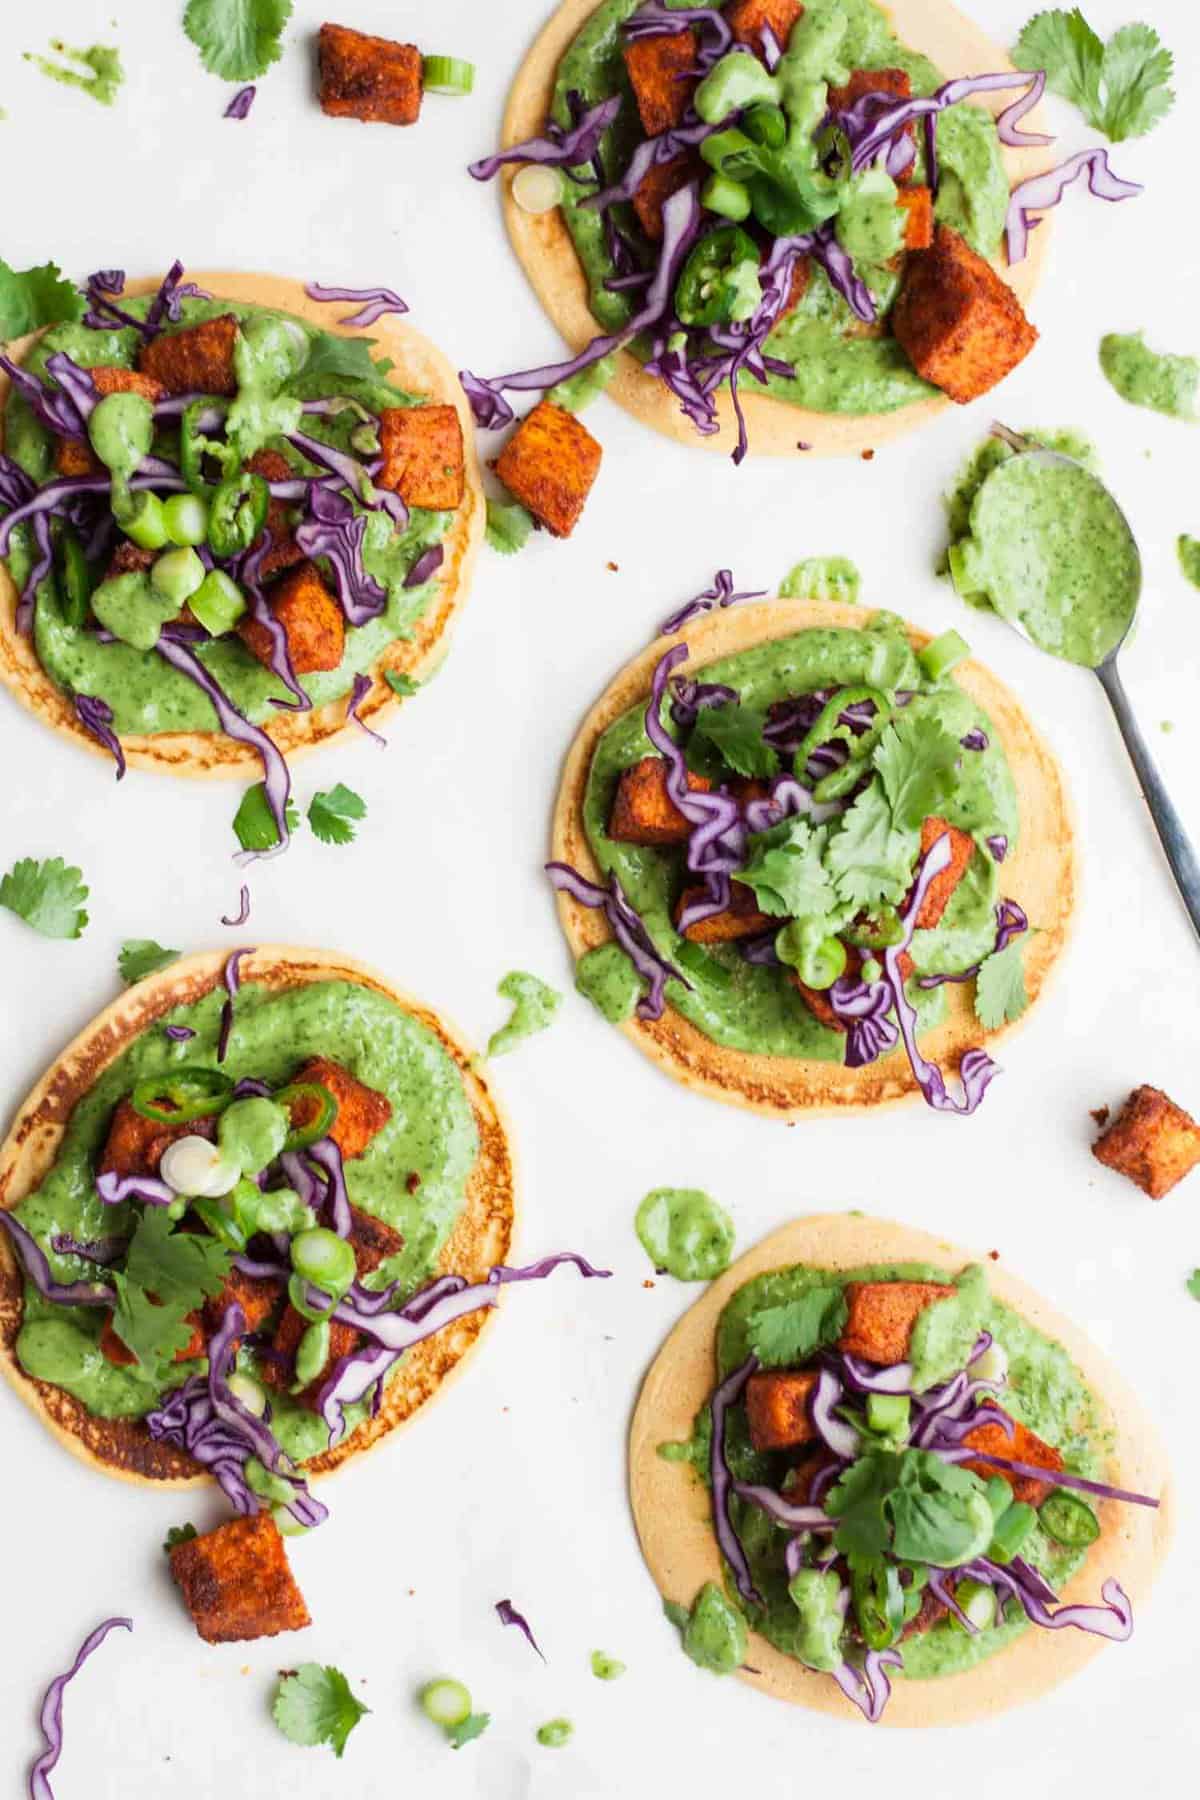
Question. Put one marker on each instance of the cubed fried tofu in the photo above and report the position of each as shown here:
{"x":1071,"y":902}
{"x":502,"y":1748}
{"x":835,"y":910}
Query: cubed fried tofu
{"x":741,"y":918}
{"x":370,"y":78}
{"x":116,"y":1351}
{"x":1152,"y":1141}
{"x":75,"y":456}
{"x":362,"y":1112}
{"x":196,"y":360}
{"x":284,"y":553}
{"x":549,"y":464}
{"x":748,"y":18}
{"x":940,"y":889}
{"x":373,"y":1243}
{"x":643,"y":812}
{"x":1023,"y":1446}
{"x":312,"y":620}
{"x":237,"y":1584}
{"x":917,"y":203}
{"x":656,"y":187}
{"x":258,"y":1296}
{"x":777,"y":1408}
{"x":961,"y":326}
{"x":423,"y":457}
{"x":130,"y":559}
{"x":896,"y":84}
{"x":662,"y":76}
{"x":881,"y":1315}
{"x":135,"y":1145}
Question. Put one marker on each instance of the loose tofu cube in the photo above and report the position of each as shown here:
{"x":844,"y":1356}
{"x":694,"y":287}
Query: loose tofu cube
{"x":643,"y":812}
{"x":135,"y":1145}
{"x":373,"y":1243}
{"x":741,"y":919}
{"x":962,"y":327}
{"x":116,"y":1351}
{"x":549,"y":464}
{"x":747,"y":20}
{"x":657,"y":187}
{"x":368,"y":78}
{"x":1152,"y":1141}
{"x":917,"y":203}
{"x":881,"y":1315}
{"x":257,"y":1296}
{"x":362,"y":1112}
{"x":75,"y":456}
{"x":940,"y":889}
{"x":423,"y":457}
{"x":1023,"y":1446}
{"x":284,"y":553}
{"x":313,"y":623}
{"x":196,"y":360}
{"x":663,"y":78}
{"x":777,"y":1408}
{"x":237,"y":1584}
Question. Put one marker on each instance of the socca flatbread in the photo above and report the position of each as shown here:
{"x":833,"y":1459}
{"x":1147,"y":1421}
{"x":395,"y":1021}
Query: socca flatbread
{"x":421,"y":369}
{"x":546,"y":253}
{"x":481,"y":1238}
{"x":1039,"y":873}
{"x":671,"y":1509}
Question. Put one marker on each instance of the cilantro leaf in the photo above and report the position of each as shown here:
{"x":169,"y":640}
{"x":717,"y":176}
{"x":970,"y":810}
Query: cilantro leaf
{"x":331,"y":354}
{"x":140,"y":957}
{"x":179,"y":1534}
{"x":49,"y":896}
{"x":473,"y":1726}
{"x":912,"y":1504}
{"x":253,"y":824}
{"x":786,"y":872}
{"x":316,"y":1706}
{"x":330,"y":814}
{"x":859,"y":1501}
{"x":790,"y":1333}
{"x":31,"y":298}
{"x":401,"y":684}
{"x":508,"y":526}
{"x":167,"y":1275}
{"x":1000,"y":987}
{"x":1119,"y":87}
{"x":1193,"y":1285}
{"x":157,"y":1333}
{"x":237,"y":39}
{"x":870,"y":861}
{"x":917,"y":759}
{"x":1064,"y":44}
{"x":735,"y":732}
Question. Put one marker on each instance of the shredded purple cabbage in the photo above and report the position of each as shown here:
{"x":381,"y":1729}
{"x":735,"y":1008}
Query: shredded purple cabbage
{"x":558,"y":148}
{"x":239,"y":106}
{"x":870,"y":1687}
{"x":328,"y":1159}
{"x":101,"y":1251}
{"x":180,"y":1033}
{"x":375,"y":302}
{"x":1041,"y":192}
{"x":232,"y":978}
{"x":425,"y":567}
{"x":114,"y":1189}
{"x":96,"y":716}
{"x":58,"y":408}
{"x":507,"y":1614}
{"x":36,"y":1265}
{"x":627,"y":928}
{"x":358,"y":693}
{"x":720,"y":594}
{"x":250,"y":577}
{"x":333,"y":529}
{"x":721,"y":1481}
{"x":50,"y":1716}
{"x":974,"y":739}
{"x":243,"y":915}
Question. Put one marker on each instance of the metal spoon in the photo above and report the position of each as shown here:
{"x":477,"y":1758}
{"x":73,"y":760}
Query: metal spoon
{"x":1180,"y":851}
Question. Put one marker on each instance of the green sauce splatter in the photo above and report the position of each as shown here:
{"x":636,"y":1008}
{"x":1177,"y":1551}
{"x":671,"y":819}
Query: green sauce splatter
{"x":555,"y":1733}
{"x":1189,"y":558}
{"x":821,"y":578}
{"x":714,"y":1631}
{"x":1166,"y":384}
{"x":534,"y":1007}
{"x":606,"y":1668}
{"x":686,"y":1233}
{"x":100,"y":74}
{"x":609,"y":980}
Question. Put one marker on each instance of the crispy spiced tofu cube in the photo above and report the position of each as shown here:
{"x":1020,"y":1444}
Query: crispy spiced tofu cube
{"x":135,"y":1145}
{"x":917,"y":203}
{"x":423,"y":457}
{"x":237,"y":1584}
{"x":362,"y":1112}
{"x":549,"y":464}
{"x":369,"y":78}
{"x":741,"y":919}
{"x":797,"y":1483}
{"x":643,"y":812}
{"x":196,"y":360}
{"x":747,"y":19}
{"x":938,"y":894}
{"x":75,"y":456}
{"x":1152,"y":1141}
{"x":313,"y":623}
{"x":656,"y":188}
{"x":881,"y":1315}
{"x":663,"y":78}
{"x":115,"y":1350}
{"x":130,"y":559}
{"x":962,"y":327}
{"x":284,"y":553}
{"x":777,"y":1408}
{"x":1023,"y":1446}
{"x":373,"y":1243}
{"x":257,"y":1296}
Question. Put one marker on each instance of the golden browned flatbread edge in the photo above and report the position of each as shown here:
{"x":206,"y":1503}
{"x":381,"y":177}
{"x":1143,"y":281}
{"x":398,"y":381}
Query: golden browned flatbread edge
{"x":670,"y":1505}
{"x":420,"y":366}
{"x":1040,"y":873}
{"x":481,"y":1238}
{"x":544,"y":248}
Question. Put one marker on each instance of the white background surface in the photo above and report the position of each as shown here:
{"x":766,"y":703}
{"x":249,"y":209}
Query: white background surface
{"x":514,"y":1485}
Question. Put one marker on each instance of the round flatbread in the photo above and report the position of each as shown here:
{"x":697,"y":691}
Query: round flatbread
{"x":671,"y":1510}
{"x":546,"y":253}
{"x":481,"y":1238}
{"x":1039,"y":873}
{"x":420,"y":368}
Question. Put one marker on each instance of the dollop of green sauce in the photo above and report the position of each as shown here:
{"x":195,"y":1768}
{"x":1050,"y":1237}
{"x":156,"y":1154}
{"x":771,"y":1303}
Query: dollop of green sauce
{"x":100,"y":73}
{"x":1164,"y":383}
{"x":252,"y":1132}
{"x":607,"y":978}
{"x":822,"y":578}
{"x":555,"y":1733}
{"x":606,"y":1668}
{"x":685,"y":1232}
{"x":713,"y":1630}
{"x":1189,"y":558}
{"x":535,"y":1006}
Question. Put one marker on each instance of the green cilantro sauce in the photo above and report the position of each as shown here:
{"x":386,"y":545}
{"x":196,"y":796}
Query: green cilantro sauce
{"x":822,"y":578}
{"x":1144,"y":377}
{"x":535,"y":1006}
{"x":100,"y":73}
{"x":431,"y":1132}
{"x":1046,"y":1392}
{"x":686,"y":1233}
{"x":145,"y":694}
{"x":1189,"y":557}
{"x":757,"y":1009}
{"x":838,"y":369}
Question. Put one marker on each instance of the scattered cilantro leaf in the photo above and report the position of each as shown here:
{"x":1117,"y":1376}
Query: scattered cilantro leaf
{"x":473,"y":1726}
{"x":179,"y":1534}
{"x":1000,"y":994}
{"x":917,"y":759}
{"x":535,"y":1004}
{"x":1064,"y":44}
{"x":1193,"y":1285}
{"x":735,"y":732}
{"x":180,"y":1270}
{"x":912,"y":1504}
{"x":31,"y":298}
{"x":509,"y":525}
{"x":316,"y":1706}
{"x":253,"y":824}
{"x":786,"y":872}
{"x":870,"y":861}
{"x":790,"y":1333}
{"x":49,"y":896}
{"x":237,"y":39}
{"x":1120,"y":87}
{"x":331,"y":354}
{"x":330,"y":814}
{"x":401,"y":684}
{"x":140,"y":957}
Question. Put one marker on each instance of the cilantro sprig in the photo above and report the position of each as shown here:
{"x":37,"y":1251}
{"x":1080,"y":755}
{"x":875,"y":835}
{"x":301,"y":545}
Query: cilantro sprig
{"x":334,"y":815}
{"x":140,"y":957}
{"x":509,"y":526}
{"x":167,"y":1275}
{"x":237,"y":39}
{"x":316,"y":1706}
{"x":911,"y":1505}
{"x":49,"y":896}
{"x":1121,"y":87}
{"x":31,"y":298}
{"x":1000,"y":993}
{"x":789,"y":1333}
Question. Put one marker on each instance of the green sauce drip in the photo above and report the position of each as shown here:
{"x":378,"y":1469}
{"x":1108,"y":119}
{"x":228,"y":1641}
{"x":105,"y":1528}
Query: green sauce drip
{"x":1164,"y":383}
{"x":609,"y":980}
{"x":686,"y":1233}
{"x":535,"y":1005}
{"x":99,"y":75}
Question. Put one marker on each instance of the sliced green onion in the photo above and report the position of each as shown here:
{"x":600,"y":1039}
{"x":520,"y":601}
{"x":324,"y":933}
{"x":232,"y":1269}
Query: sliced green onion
{"x":966,"y":568}
{"x":537,"y":189}
{"x":286,"y":1524}
{"x":312,"y":1353}
{"x":446,"y":1702}
{"x":144,"y":522}
{"x":978,"y":1602}
{"x":251,"y":1393}
{"x":889,"y":1413}
{"x":218,"y":602}
{"x":722,"y":194}
{"x":325,"y":1259}
{"x":1011,"y":1529}
{"x":447,"y":75}
{"x":555,"y":1733}
{"x":606,"y":1668}
{"x":176,"y":575}
{"x":365,"y":439}
{"x":186,"y":519}
{"x":945,"y":653}
{"x":871,"y":971}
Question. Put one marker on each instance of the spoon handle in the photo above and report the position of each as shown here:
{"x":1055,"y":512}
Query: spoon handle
{"x":1181,"y":854}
